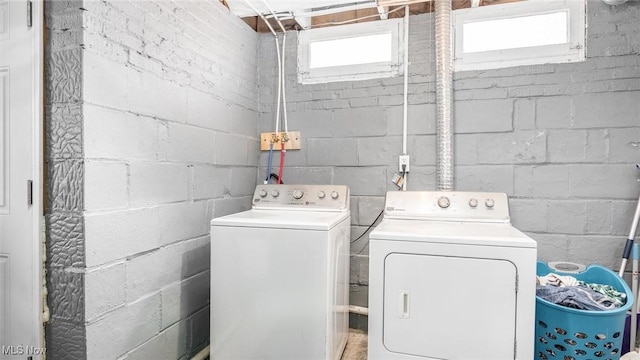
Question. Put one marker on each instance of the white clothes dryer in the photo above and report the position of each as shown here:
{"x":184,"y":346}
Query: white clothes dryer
{"x":280,"y":275}
{"x":450,"y":278}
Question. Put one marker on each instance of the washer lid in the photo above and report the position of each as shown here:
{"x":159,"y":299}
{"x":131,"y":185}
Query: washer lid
{"x":285,"y":219}
{"x":450,"y":232}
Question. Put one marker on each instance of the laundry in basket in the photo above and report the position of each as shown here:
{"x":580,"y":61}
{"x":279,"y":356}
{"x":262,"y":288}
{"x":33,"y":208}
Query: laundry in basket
{"x":572,"y":334}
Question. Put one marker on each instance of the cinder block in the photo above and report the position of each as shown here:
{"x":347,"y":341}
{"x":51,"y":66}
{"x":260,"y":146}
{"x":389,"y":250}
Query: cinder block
{"x":621,"y":217}
{"x":362,"y":181}
{"x":602,"y":250}
{"x":485,"y":178}
{"x":183,"y":221}
{"x":420,"y":178}
{"x":150,"y":95}
{"x":105,"y":185}
{"x":369,"y":208}
{"x":184,"y":298}
{"x":116,"y":235}
{"x":119,"y":135}
{"x":552,"y":247}
{"x":624,"y":144}
{"x":157,"y":183}
{"x":190,"y":144}
{"x":554,"y":112}
{"x":567,"y":146}
{"x":567,"y":217}
{"x":124,"y":329}
{"x":598,"y":217}
{"x":524,"y":114}
{"x":599,"y":145}
{"x":333,"y":152}
{"x":147,"y":273}
{"x":602,"y":181}
{"x":524,"y":147}
{"x":244,"y":121}
{"x":208,"y":111}
{"x":379,"y":150}
{"x":360,"y":269}
{"x":529,"y":214}
{"x":544,"y":181}
{"x":615,"y":109}
{"x":211,"y":181}
{"x":423,"y":150}
{"x":104,"y":290}
{"x":303,"y":175}
{"x":171,"y":343}
{"x":232,"y":149}
{"x":366,"y":122}
{"x":198,"y":329}
{"x":228,"y":206}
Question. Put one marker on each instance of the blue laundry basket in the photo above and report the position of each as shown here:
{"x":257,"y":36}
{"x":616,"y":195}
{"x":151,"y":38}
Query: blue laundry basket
{"x":571,"y":334}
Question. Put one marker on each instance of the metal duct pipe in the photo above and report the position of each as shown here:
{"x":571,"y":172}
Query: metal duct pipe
{"x":444,"y":97}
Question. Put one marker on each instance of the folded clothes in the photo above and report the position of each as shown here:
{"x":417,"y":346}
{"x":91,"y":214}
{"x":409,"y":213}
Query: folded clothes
{"x":577,"y":297}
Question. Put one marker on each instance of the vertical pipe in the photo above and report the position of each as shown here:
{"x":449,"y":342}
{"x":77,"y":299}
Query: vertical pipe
{"x":405,"y":114}
{"x":406,"y":80}
{"x":444,"y":97}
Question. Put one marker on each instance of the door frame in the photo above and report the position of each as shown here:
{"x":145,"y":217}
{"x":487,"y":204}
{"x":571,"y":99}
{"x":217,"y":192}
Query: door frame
{"x":38,"y":166}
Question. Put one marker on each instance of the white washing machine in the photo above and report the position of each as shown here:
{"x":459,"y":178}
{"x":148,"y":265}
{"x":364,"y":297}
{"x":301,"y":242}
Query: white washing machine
{"x":450,"y":278}
{"x":280,"y":275}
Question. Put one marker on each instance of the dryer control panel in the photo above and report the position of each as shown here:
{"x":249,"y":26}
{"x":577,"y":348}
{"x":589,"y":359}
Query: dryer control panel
{"x":447,"y":205}
{"x":302,"y":197}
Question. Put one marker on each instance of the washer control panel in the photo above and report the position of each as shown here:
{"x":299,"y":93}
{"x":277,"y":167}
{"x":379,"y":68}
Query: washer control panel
{"x":302,"y":197}
{"x":447,"y":205}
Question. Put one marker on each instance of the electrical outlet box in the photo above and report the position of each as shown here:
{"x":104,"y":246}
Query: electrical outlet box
{"x":403,"y":160}
{"x":292,"y":144}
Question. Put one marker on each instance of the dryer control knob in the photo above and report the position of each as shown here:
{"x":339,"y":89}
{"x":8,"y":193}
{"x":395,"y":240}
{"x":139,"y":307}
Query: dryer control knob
{"x":275,"y":193}
{"x":334,"y":195}
{"x":263,"y":193}
{"x":321,"y":194}
{"x":298,"y":194}
{"x":489,"y":203}
{"x":444,"y":202}
{"x":473,"y":203}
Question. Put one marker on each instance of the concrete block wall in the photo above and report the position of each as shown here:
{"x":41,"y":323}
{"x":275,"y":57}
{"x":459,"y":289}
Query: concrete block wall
{"x":560,"y":139}
{"x":164,"y":136}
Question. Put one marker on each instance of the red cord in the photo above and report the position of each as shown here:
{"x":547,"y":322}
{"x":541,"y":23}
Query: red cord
{"x":282,"y":152}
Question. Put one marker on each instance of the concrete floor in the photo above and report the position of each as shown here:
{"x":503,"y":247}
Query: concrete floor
{"x":356,"y":345}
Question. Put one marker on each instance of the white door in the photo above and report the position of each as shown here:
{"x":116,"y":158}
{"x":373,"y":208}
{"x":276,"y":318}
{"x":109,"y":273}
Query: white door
{"x":20,"y":154}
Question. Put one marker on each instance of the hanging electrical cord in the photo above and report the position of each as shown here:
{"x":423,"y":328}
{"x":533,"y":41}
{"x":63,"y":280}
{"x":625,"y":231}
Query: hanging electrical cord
{"x":369,"y":228}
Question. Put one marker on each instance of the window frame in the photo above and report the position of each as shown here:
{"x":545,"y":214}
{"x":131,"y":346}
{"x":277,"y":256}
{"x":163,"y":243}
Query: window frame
{"x":572,"y":51}
{"x":394,"y":67}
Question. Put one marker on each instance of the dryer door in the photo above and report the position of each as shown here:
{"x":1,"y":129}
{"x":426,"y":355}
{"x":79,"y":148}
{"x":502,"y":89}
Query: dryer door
{"x":445,"y":307}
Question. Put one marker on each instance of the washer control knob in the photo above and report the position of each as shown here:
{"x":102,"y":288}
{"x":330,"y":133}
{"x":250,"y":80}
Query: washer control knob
{"x":334,"y":195}
{"x":263,"y":193}
{"x":275,"y":193}
{"x":321,"y":194}
{"x":298,"y":194}
{"x":444,"y":202}
{"x":489,"y":203}
{"x":473,"y":202}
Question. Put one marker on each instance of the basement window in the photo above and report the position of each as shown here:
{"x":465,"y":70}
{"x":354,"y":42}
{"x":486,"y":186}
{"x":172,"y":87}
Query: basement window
{"x":521,"y":33}
{"x":351,"y":52}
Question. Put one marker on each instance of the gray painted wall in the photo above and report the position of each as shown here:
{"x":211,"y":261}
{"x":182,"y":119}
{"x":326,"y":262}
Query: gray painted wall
{"x":151,"y":132}
{"x":559,"y":139}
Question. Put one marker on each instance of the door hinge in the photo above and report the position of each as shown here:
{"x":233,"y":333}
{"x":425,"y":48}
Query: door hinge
{"x":29,"y":192}
{"x":29,"y":13}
